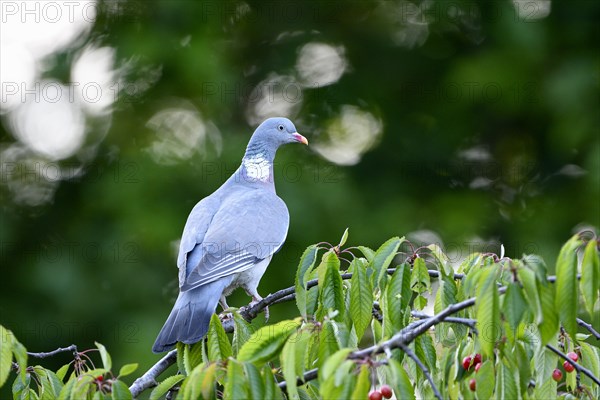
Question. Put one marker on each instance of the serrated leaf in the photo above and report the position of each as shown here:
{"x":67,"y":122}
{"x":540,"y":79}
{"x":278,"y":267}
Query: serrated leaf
{"x":363,"y":384}
{"x":266,"y":342}
{"x":566,"y":285}
{"x":590,"y":360}
{"x":307,"y":263}
{"x":530,"y":288}
{"x":446,"y":295}
{"x":506,"y":387}
{"x":367,"y":252}
{"x":20,"y":354}
{"x":361,"y":298}
{"x":383,"y":258}
{"x":400,"y":381}
{"x":165,"y":386}
{"x":419,"y":278}
{"x":549,"y":324}
{"x":6,"y":341}
{"x":181,"y":364}
{"x":328,"y":343}
{"x":442,"y":258}
{"x":235,"y":386}
{"x":272,"y":391}
{"x":241,"y":333}
{"x":344,"y":238}
{"x":331,"y":286}
{"x":514,"y":305}
{"x":128,"y":369}
{"x":590,"y":276}
{"x":106,"y":361}
{"x":62,"y":371}
{"x":219,"y":347}
{"x":55,"y":385}
{"x":120,"y":391}
{"x":397,"y":297}
{"x":488,"y":311}
{"x":21,"y":386}
{"x":332,"y":363}
{"x":426,"y":352}
{"x":256,"y":386}
{"x":292,"y":360}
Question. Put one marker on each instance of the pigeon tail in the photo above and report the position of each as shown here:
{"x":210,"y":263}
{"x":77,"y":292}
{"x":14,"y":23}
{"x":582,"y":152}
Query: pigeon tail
{"x":190,"y":317}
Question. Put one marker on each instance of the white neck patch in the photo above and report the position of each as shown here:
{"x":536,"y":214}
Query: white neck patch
{"x":257,"y":168}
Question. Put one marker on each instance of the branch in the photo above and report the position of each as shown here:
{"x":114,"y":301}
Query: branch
{"x":578,"y":367}
{"x":471,"y":323}
{"x":308,"y":376}
{"x":416,"y":359}
{"x":589,"y":327}
{"x":148,"y":380}
{"x":72,"y":348}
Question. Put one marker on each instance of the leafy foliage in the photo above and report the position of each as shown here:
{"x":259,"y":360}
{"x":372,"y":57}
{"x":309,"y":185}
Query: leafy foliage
{"x":502,"y":323}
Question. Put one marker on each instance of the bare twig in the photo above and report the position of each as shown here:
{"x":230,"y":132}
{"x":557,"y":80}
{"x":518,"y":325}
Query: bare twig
{"x":72,"y":348}
{"x":471,"y":323}
{"x":423,"y":368}
{"x":308,"y":376}
{"x":589,"y":327}
{"x":577,"y":366}
{"x":148,"y":380}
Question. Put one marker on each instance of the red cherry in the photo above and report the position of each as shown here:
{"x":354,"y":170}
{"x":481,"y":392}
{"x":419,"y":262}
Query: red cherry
{"x":100,"y":378}
{"x":573,"y":356}
{"x":557,"y":375}
{"x":568,"y":366}
{"x":375,"y":395}
{"x":386,"y":391}
{"x":477,"y":366}
{"x":472,"y":385}
{"x":477,"y":359}
{"x":466,"y":363}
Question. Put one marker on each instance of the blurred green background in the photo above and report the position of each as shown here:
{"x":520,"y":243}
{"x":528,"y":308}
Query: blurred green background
{"x":470,"y":124}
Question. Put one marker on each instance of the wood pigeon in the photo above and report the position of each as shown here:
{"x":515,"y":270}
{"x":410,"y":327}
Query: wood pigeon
{"x":230,"y":237}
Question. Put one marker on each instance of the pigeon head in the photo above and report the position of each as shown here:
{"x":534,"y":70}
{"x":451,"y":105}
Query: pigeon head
{"x":271,"y":134}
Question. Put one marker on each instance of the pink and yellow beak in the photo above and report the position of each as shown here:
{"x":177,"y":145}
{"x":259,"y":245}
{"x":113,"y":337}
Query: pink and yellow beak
{"x":299,"y":138}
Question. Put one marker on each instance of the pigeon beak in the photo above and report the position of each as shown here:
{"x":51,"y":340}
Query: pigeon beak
{"x":300,"y":138}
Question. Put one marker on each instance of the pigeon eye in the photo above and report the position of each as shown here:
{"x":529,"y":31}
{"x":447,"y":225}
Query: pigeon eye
{"x":280,"y":127}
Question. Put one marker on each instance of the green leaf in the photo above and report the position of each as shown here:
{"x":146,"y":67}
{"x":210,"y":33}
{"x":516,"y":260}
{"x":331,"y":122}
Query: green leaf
{"x":54,"y":383}
{"x":361,"y":298}
{"x":265,"y":343}
{"x":442,"y":259}
{"x":307,"y":263}
{"x":256,"y":385}
{"x":527,"y":279}
{"x":446,"y":295}
{"x":193,"y":355}
{"x":272,"y":390}
{"x":426,"y":351}
{"x":235,"y":386}
{"x":566,"y":285}
{"x":20,"y":354}
{"x":62,"y":371}
{"x":181,"y":355}
{"x":331,"y":286}
{"x":242,"y":332}
{"x":120,"y":391}
{"x":506,"y":387}
{"x":363,"y":384}
{"x":590,"y":360}
{"x":419,"y":279}
{"x":6,"y":340}
{"x":106,"y":361}
{"x":328,"y":343}
{"x":292,"y":360}
{"x":331,"y":365}
{"x":367,"y":252}
{"x":549,"y":324}
{"x":397,"y":297}
{"x":165,"y":386}
{"x":488,"y":311}
{"x":400,"y":381}
{"x":514,"y":305}
{"x":590,"y":276}
{"x":383,"y":258}
{"x":128,"y":369}
{"x":20,"y":387}
{"x":219,"y":347}
{"x":344,"y":238}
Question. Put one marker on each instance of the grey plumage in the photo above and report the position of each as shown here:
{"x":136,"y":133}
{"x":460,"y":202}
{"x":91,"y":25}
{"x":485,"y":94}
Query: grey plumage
{"x":230,"y":237}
